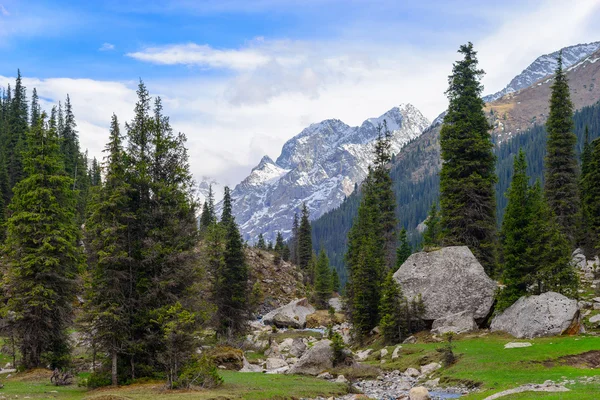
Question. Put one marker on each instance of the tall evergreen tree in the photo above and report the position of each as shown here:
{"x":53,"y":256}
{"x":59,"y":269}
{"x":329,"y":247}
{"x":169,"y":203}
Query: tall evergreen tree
{"x":232,"y":279}
{"x":518,"y":270}
{"x":467,"y":178}
{"x":70,"y":142}
{"x":305,"y":247}
{"x":392,"y":310}
{"x":41,"y":253}
{"x":109,"y":295}
{"x":432,"y":236}
{"x":208,"y":217}
{"x":591,"y":196}
{"x":95,"y":172}
{"x":561,"y":169}
{"x":322,"y":280}
{"x":335,"y":280}
{"x":35,"y":108}
{"x":371,"y":237}
{"x":404,"y":250}
{"x":294,"y":240}
{"x":260,"y":244}
{"x":15,"y":141}
{"x":586,"y":238}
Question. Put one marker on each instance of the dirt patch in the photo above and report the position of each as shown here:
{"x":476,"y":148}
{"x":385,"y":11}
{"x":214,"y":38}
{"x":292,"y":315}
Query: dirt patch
{"x":590,"y":359}
{"x":33,"y":375}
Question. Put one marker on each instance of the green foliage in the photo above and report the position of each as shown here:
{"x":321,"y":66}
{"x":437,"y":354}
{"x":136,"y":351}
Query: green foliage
{"x":199,"y":372}
{"x":447,"y":351}
{"x":335,"y":281}
{"x":41,"y":252}
{"x":393,"y":324}
{"x":323,"y":281}
{"x":404,"y":249}
{"x":231,"y":276}
{"x":260,"y":244}
{"x":561,"y":172}
{"x":467,"y":177}
{"x":208,"y":216}
{"x":337,"y":346}
{"x":369,"y":240}
{"x":432,"y":236}
{"x":590,"y":184}
{"x":304,"y":240}
{"x":97,"y":380}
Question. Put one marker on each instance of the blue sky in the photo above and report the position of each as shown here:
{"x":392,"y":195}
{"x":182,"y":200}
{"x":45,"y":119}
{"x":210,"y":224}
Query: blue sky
{"x":242,"y":77}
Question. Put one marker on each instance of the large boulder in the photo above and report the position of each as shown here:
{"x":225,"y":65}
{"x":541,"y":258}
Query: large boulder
{"x":315,"y":360}
{"x":548,"y":314}
{"x":458,"y":323}
{"x":292,"y":315}
{"x":449,"y":280}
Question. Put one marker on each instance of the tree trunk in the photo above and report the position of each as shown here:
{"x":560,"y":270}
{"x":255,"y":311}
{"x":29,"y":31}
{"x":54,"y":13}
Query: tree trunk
{"x":114,"y":368}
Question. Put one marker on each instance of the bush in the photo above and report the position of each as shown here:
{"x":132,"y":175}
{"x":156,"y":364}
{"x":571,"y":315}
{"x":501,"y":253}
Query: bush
{"x":448,"y":357}
{"x":199,"y":372}
{"x":98,"y":379}
{"x":338,"y":346}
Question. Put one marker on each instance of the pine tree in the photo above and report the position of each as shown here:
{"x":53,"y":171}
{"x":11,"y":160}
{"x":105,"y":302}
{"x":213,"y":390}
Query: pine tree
{"x":393,"y":326}
{"x":70,"y":142}
{"x":591,"y":195}
{"x":35,"y":108}
{"x":518,"y":269}
{"x":16,"y":141}
{"x":304,"y":240}
{"x":404,"y":250}
{"x":587,"y":237}
{"x":322,"y":280}
{"x":294,"y":240}
{"x":561,"y":169}
{"x":467,"y":178}
{"x":232,"y":280}
{"x":95,"y":173}
{"x":335,"y":280}
{"x":432,"y":235}
{"x":208,"y":216}
{"x":109,"y":295}
{"x":260,"y":244}
{"x":41,"y":253}
{"x":549,"y":249}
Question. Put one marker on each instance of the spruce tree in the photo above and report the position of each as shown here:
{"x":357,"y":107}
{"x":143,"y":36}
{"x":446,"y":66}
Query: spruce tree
{"x":16,"y":141}
{"x":391,"y":308}
{"x":35,"y":108}
{"x":591,"y":196}
{"x":294,"y":240}
{"x":587,"y":236}
{"x":561,"y":168}
{"x":260,"y":244}
{"x":467,"y":178}
{"x":232,"y":279}
{"x":208,"y":217}
{"x":432,"y":235}
{"x":518,"y":269}
{"x":41,"y":253}
{"x":404,"y":249}
{"x":109,"y":298}
{"x":322,"y":280}
{"x":335,"y":280}
{"x":305,"y":249}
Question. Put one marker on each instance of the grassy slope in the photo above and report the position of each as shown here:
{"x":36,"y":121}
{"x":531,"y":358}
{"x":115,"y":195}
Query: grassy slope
{"x":485,"y":360}
{"x":252,"y":386}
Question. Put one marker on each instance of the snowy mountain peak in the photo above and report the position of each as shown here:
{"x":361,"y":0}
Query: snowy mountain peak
{"x":545,"y":66}
{"x":319,"y":167}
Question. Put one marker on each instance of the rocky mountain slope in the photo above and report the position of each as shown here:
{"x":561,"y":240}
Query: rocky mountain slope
{"x":415,"y":169}
{"x":319,"y":167}
{"x":545,"y":66}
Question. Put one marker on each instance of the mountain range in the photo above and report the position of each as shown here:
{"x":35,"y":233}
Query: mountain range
{"x":322,"y":165}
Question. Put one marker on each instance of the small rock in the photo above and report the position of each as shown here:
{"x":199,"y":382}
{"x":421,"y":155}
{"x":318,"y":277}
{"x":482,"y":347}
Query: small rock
{"x":517,"y":345}
{"x":275,"y":363}
{"x":596,"y":299}
{"x":419,"y":393}
{"x":410,"y":340}
{"x":325,"y":375}
{"x":412,"y":372}
{"x":585,"y":305}
{"x":433,"y":383}
{"x":384,"y":352}
{"x":341,"y":379}
{"x":363,"y":355}
{"x":595,"y":319}
{"x":396,"y":353}
{"x":429,"y":368}
{"x":596,"y":306}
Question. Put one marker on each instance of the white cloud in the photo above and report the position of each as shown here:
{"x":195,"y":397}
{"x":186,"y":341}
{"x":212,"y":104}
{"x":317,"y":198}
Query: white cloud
{"x":201,"y":55}
{"x":4,"y":11}
{"x":107,"y":47}
{"x":274,"y":88}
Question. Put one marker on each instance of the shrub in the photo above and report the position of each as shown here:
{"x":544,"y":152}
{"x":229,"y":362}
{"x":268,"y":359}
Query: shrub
{"x":338,"y":346}
{"x":98,"y":379}
{"x":199,"y":372}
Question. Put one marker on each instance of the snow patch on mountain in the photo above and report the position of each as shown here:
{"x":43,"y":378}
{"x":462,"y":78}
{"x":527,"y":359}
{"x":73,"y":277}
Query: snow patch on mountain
{"x":545,"y":66}
{"x":320,"y":167}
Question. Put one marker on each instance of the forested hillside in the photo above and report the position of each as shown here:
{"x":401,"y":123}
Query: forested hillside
{"x":416,"y":182}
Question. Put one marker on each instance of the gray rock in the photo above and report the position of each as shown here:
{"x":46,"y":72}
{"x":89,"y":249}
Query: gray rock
{"x":412,"y":372}
{"x":247,"y":367}
{"x":384,"y":352}
{"x":396,"y":353}
{"x":298,"y":347}
{"x":419,"y":393}
{"x":429,"y":368}
{"x":548,"y":314}
{"x":362,"y":355}
{"x":458,"y":323}
{"x":275,"y":364}
{"x":325,"y":375}
{"x":335,"y":303}
{"x":410,"y":340}
{"x":449,"y":280}
{"x":315,"y":360}
{"x":341,"y":379}
{"x":595,"y":319}
{"x":292,"y":315}
{"x":578,"y":260}
{"x":517,"y":345}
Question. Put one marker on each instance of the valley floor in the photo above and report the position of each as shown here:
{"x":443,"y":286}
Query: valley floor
{"x":482,"y":362}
